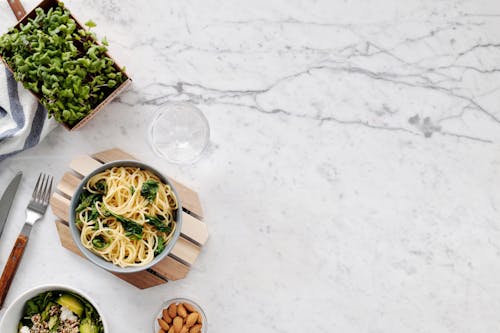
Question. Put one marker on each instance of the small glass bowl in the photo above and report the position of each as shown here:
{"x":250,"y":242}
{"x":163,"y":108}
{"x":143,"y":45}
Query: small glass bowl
{"x":159,"y":314}
{"x":179,"y":133}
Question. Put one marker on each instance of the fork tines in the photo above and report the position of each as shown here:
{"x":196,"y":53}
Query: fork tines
{"x":43,"y":189}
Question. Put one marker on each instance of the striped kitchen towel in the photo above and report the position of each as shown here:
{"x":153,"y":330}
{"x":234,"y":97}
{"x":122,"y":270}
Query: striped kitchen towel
{"x":23,"y":121}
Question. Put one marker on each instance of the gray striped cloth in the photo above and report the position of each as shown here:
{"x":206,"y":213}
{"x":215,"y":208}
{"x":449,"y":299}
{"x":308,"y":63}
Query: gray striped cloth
{"x":23,"y":121}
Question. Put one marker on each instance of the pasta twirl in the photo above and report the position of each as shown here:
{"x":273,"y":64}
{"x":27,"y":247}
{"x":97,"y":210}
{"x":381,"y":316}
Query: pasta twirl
{"x":126,"y":215}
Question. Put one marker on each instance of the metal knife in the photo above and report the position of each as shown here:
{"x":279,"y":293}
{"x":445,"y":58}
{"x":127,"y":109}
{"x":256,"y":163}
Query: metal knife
{"x":8,"y":198}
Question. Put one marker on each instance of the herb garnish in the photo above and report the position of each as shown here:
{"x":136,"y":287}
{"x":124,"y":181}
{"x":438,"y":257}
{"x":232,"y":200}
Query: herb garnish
{"x":161,"y":245}
{"x":99,"y":242}
{"x":149,"y":189}
{"x":88,"y":199}
{"x":158,"y":223}
{"x":133,"y":230}
{"x":101,"y":186}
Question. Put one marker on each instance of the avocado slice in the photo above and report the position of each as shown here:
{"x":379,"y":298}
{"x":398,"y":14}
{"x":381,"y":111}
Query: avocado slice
{"x":53,"y":323}
{"x":72,"y":303}
{"x":87,"y":326}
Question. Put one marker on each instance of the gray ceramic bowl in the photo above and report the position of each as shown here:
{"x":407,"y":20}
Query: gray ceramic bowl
{"x":100,"y":261}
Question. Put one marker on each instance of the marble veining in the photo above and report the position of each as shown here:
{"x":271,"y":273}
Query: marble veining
{"x":351,"y":182}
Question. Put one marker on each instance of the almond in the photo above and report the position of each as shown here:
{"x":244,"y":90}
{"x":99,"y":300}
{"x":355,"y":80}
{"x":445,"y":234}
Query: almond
{"x":177,"y":324}
{"x":166,"y":316}
{"x":167,"y":319}
{"x":172,"y":310}
{"x":171,"y":330}
{"x":199,"y":318}
{"x":191,"y":319}
{"x":189,"y":307}
{"x":184,"y":329}
{"x":163,"y":324}
{"x":161,"y":331}
{"x":195,"y":329}
{"x":181,"y":311}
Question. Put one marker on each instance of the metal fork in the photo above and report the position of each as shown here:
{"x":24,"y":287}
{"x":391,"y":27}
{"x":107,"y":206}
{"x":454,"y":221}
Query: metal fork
{"x":35,"y":211}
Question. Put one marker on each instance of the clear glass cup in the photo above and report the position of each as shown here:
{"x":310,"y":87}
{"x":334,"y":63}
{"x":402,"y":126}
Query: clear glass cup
{"x":177,"y":301}
{"x":179,"y":133}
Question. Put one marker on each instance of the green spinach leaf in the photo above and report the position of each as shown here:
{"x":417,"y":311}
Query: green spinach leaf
{"x":133,"y":230}
{"x":101,"y":186}
{"x":149,"y":189}
{"x":87,"y":199}
{"x":161,"y":245}
{"x":99,"y":242}
{"x":158,"y":222}
{"x":94,"y":214}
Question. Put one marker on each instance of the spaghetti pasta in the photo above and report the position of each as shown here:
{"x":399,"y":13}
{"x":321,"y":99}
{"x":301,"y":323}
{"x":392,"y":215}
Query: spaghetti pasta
{"x":126,"y":215}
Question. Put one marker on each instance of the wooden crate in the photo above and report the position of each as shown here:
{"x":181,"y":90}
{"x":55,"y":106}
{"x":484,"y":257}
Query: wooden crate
{"x":193,"y":236}
{"x":22,"y":17}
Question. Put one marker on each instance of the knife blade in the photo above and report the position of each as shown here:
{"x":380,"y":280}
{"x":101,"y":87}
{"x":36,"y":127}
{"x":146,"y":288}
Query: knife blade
{"x":8,"y":198}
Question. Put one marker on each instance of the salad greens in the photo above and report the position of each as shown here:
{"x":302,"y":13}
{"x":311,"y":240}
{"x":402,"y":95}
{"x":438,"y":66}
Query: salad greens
{"x":62,"y":63}
{"x":46,"y":313}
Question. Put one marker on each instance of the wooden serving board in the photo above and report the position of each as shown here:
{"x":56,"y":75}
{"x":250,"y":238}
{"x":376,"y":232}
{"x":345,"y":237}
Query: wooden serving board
{"x":176,"y":265}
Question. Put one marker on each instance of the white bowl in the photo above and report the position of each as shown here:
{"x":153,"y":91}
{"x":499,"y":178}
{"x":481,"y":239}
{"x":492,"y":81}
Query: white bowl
{"x":12,"y":316}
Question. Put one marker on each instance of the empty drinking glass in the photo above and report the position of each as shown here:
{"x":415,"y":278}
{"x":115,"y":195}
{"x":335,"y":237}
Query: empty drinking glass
{"x":179,"y":133}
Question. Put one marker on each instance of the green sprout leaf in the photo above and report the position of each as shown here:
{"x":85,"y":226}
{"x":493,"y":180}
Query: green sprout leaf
{"x":90,"y":24}
{"x":61,"y":63}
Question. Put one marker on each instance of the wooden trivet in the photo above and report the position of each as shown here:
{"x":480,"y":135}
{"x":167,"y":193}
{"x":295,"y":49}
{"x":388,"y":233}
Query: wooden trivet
{"x":176,"y":265}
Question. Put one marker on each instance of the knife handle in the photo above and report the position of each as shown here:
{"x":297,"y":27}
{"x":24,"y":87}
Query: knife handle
{"x":17,"y":8}
{"x":11,"y":267}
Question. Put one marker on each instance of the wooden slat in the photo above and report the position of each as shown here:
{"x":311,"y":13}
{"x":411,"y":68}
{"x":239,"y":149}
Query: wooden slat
{"x":111,"y":155}
{"x":171,"y":269}
{"x":68,"y":184}
{"x":66,"y":239}
{"x":185,"y":251}
{"x":193,"y":229}
{"x":141,"y":280}
{"x":189,"y":198}
{"x":60,"y":206}
{"x":84,"y":165}
{"x":17,"y":8}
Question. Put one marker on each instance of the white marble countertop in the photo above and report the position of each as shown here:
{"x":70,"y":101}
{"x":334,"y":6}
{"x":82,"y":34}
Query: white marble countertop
{"x":352,"y":180}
